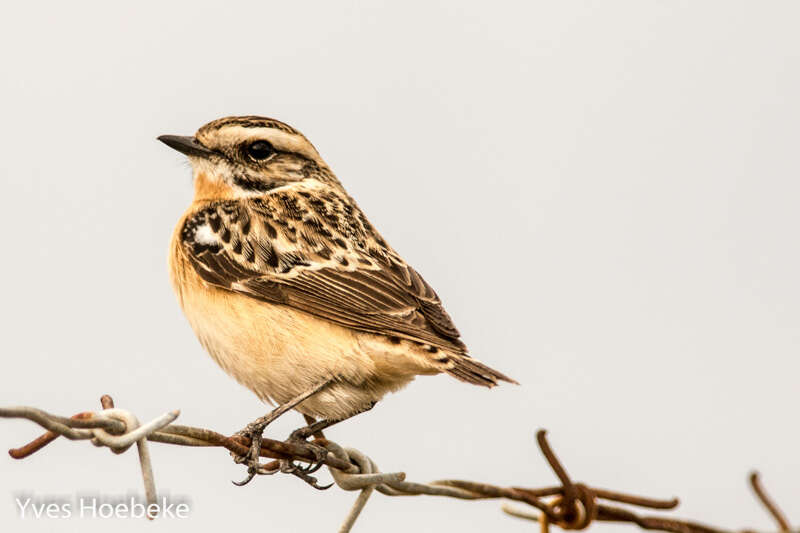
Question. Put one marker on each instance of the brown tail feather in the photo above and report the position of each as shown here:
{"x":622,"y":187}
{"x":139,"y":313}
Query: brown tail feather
{"x":475,"y":372}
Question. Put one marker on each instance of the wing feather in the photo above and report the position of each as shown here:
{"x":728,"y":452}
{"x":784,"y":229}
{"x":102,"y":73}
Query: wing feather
{"x":367,"y":286}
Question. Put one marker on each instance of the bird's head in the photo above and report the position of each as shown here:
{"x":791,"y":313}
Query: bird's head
{"x":250,"y":156}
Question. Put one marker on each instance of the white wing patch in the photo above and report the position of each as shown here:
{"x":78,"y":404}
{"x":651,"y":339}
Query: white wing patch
{"x":205,"y":235}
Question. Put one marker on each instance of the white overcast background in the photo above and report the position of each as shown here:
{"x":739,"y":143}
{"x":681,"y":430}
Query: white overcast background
{"x":605,"y":196}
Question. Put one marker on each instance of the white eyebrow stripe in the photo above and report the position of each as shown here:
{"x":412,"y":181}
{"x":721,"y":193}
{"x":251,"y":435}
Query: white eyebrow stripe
{"x":281,"y":140}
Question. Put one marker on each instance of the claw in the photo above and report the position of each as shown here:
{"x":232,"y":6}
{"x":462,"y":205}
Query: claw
{"x":313,"y":467}
{"x":251,"y":473}
{"x":321,"y":454}
{"x":311,"y":480}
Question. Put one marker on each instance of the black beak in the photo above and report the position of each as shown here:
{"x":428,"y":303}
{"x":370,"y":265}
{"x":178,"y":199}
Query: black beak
{"x":186,"y":145}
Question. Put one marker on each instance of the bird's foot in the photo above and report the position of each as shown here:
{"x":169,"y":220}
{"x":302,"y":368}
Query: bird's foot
{"x":254,"y":431}
{"x":289,"y":466}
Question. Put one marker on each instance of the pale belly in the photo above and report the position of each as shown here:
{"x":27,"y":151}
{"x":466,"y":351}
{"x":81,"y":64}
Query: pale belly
{"x":279,"y":352}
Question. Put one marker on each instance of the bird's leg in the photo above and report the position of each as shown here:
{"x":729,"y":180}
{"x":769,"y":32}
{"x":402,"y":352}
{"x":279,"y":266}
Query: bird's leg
{"x":255,"y":429}
{"x":310,"y":420}
{"x":313,"y":428}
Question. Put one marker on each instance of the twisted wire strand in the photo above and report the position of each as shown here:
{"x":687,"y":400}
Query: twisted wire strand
{"x":570,"y":506}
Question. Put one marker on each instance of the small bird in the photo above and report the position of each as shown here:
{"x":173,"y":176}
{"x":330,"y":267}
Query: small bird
{"x":291,"y":289}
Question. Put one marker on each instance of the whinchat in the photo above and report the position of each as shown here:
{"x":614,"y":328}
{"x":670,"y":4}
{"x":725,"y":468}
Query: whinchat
{"x":290,"y":288}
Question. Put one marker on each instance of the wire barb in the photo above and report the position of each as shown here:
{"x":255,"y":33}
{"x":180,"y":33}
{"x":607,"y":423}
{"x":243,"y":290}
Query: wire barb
{"x":771,"y":507}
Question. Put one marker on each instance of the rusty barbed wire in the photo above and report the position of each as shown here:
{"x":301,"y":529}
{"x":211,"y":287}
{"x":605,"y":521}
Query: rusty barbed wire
{"x":569,"y":506}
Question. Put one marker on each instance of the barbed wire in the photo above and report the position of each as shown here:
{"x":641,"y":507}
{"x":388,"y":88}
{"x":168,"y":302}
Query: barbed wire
{"x":569,"y":506}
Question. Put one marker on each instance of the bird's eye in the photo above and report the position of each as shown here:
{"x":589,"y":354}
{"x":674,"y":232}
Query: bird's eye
{"x":259,"y":150}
